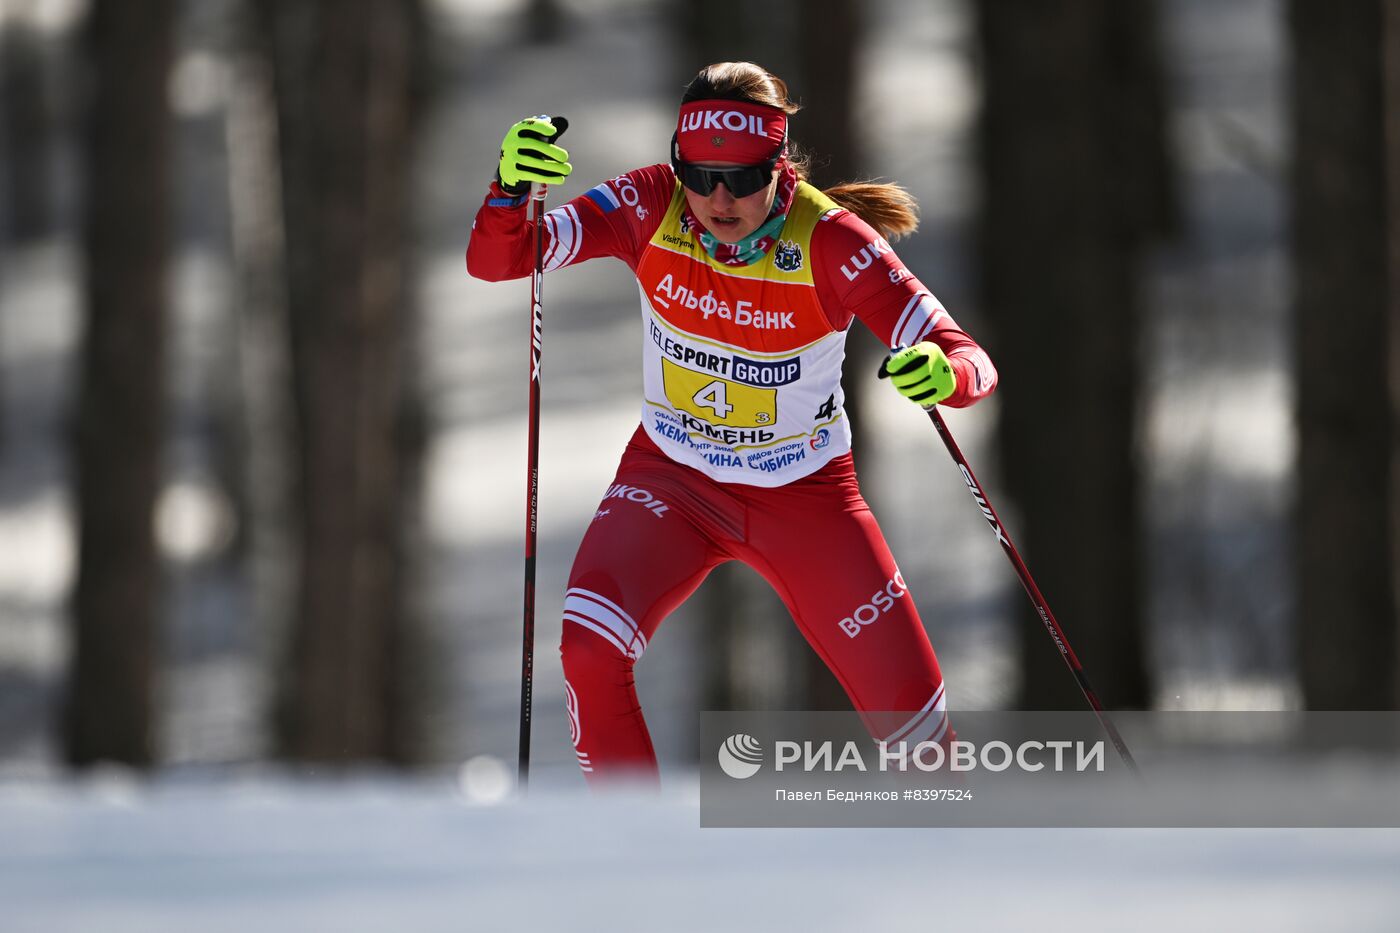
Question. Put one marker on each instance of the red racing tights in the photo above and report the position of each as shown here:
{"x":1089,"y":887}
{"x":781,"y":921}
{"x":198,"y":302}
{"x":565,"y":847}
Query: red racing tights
{"x":659,"y":531}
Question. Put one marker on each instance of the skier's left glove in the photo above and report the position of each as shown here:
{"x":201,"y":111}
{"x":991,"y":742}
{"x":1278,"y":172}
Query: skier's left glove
{"x":529,"y":154}
{"x":920,"y":373}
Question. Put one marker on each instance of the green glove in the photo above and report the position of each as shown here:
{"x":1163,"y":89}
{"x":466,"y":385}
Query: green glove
{"x":921,"y":373}
{"x":528,"y":155}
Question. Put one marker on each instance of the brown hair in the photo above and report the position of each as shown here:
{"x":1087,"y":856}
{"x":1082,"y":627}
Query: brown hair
{"x":889,"y":208}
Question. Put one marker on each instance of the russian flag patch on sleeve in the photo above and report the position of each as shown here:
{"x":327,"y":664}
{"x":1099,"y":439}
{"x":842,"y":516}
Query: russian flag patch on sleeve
{"x":603,"y":196}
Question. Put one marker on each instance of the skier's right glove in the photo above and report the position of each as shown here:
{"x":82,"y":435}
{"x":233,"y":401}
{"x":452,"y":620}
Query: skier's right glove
{"x":529,"y":155}
{"x":920,"y":373}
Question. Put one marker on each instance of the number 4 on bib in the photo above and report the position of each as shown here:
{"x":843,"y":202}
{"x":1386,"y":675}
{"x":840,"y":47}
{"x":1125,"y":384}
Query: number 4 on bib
{"x":712,"y":397}
{"x":718,"y":401}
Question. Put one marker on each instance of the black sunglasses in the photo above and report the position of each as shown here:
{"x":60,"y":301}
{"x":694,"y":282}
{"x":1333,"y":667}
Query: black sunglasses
{"x":741,"y":181}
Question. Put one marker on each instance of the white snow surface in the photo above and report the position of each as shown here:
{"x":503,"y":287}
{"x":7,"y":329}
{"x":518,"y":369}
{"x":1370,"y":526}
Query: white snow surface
{"x":269,"y":852}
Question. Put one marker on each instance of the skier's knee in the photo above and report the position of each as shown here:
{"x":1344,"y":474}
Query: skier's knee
{"x":598,"y":633}
{"x":587,"y":653}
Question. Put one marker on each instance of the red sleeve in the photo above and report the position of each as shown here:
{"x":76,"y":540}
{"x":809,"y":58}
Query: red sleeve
{"x":616,"y":218}
{"x":859,"y":275}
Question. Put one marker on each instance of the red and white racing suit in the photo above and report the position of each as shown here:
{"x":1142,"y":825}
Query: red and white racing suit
{"x":743,"y":452}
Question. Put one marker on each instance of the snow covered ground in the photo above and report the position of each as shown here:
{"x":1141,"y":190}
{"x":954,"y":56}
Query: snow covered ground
{"x":272,"y":853}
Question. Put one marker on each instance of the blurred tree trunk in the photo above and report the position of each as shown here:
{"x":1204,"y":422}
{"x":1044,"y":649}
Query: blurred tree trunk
{"x":544,"y":22}
{"x":1074,"y":186}
{"x":1392,"y":121}
{"x":1392,"y":364}
{"x":1346,"y":319}
{"x":829,"y":38}
{"x":24,"y":124}
{"x":109,"y":713}
{"x":346,"y":81}
{"x":733,"y":31}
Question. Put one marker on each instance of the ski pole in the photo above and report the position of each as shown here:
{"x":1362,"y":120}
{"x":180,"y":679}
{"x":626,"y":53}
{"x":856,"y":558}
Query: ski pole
{"x":532,"y":486}
{"x":1042,"y":609}
{"x":532,"y":473}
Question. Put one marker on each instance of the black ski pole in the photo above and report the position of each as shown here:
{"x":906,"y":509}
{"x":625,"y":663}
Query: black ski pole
{"x":532,"y":473}
{"x":532,"y":488}
{"x":1042,"y":608}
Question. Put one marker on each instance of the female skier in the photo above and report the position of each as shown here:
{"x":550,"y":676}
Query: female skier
{"x":750,"y":278}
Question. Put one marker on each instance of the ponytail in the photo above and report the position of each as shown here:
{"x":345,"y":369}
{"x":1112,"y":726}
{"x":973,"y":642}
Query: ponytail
{"x":889,"y":208}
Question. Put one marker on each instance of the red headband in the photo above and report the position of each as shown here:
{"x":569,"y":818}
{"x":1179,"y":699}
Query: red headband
{"x":730,"y":131}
